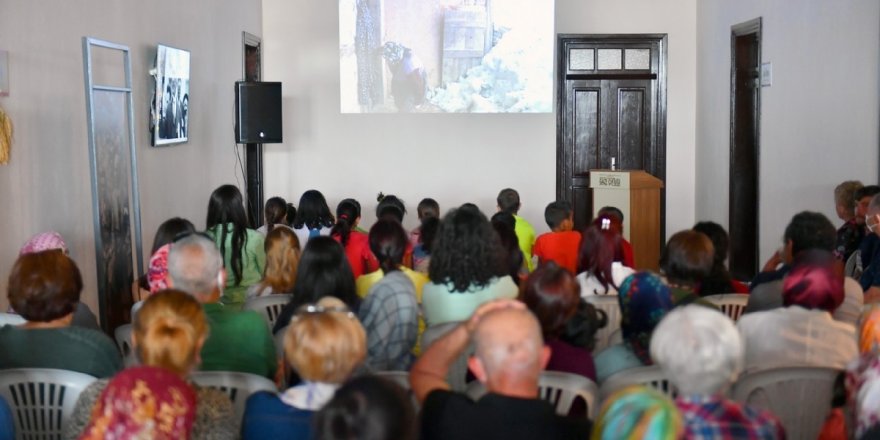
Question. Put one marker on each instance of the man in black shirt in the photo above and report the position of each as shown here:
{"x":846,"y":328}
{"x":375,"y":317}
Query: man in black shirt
{"x":510,"y":355}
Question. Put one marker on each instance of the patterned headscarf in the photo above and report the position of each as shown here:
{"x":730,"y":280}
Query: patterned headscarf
{"x":638,"y":412}
{"x":44,"y":241}
{"x":812,"y":287}
{"x":157,"y":275}
{"x":143,"y":403}
{"x":644,"y":301}
{"x":863,"y":376}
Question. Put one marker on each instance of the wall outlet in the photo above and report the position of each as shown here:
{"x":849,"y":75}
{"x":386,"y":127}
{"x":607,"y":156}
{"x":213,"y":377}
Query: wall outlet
{"x":766,"y":74}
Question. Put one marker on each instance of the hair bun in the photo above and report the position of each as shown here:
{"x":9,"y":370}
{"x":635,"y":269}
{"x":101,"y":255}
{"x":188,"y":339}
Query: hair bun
{"x":380,"y":197}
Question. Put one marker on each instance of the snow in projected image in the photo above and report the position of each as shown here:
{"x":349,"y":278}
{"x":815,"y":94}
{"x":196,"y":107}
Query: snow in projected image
{"x":439,"y":56}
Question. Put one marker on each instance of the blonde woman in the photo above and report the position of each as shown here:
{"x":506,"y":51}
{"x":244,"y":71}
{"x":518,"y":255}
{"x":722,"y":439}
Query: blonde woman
{"x":168,"y":333}
{"x":324,"y":343}
{"x":282,"y":258}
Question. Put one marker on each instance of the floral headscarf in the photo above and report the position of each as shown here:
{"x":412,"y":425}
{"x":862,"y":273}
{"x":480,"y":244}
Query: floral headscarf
{"x":44,"y":241}
{"x":863,"y":376}
{"x":157,"y":275}
{"x":143,"y":403}
{"x":644,"y":301}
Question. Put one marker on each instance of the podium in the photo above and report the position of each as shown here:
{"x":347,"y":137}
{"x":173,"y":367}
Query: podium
{"x":637,"y":195}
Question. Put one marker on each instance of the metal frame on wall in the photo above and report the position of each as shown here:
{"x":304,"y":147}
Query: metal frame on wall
{"x":111,"y":303}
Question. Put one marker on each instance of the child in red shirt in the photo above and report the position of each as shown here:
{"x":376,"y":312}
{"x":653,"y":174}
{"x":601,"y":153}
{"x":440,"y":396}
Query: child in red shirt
{"x":562,"y":244}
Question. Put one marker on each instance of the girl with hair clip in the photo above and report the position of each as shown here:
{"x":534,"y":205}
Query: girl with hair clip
{"x":600,"y":260}
{"x":243,"y":254}
{"x":282,"y":260}
{"x":313,"y":217}
{"x":356,"y":244}
{"x":275,"y":215}
{"x":168,"y":334}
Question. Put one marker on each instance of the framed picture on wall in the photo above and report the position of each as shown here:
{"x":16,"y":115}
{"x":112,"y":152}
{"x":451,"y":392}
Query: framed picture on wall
{"x":169,"y":115}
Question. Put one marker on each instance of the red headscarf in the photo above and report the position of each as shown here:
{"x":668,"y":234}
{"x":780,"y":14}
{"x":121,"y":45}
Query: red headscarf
{"x":143,"y":402}
{"x":812,"y":287}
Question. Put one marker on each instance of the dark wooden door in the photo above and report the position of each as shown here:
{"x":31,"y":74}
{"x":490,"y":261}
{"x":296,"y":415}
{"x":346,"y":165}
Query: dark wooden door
{"x":611,"y":105}
{"x":745,"y":104}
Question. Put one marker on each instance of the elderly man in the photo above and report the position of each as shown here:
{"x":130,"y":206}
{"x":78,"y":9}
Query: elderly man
{"x":238,"y":340}
{"x":701,"y":352}
{"x":510,"y":355}
{"x":871,"y":276}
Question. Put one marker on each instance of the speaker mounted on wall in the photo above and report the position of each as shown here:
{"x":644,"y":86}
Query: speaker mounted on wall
{"x":257,"y":112}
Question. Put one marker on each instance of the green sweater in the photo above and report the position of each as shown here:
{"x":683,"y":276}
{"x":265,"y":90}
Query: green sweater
{"x":67,"y":348}
{"x":238,"y":341}
{"x":253,"y":260}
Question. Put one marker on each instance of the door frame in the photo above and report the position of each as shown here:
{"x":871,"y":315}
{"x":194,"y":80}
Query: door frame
{"x":562,"y":75}
{"x":753,"y":26}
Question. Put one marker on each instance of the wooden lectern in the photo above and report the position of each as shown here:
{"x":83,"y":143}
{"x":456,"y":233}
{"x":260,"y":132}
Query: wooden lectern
{"x":637,"y":195}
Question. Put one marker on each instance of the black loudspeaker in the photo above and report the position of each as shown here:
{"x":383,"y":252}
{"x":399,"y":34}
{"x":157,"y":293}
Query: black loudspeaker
{"x":257,"y":112}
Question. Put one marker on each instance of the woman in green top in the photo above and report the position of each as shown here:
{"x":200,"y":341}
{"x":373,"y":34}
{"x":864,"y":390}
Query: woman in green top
{"x":243,"y":255}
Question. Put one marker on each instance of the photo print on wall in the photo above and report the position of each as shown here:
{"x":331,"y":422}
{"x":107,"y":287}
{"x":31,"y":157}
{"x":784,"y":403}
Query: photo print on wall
{"x":169,"y":115}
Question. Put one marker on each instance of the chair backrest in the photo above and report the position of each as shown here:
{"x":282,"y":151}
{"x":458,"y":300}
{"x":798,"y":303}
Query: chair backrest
{"x":615,"y":338}
{"x":41,"y":399}
{"x":610,"y":305}
{"x":731,"y":304}
{"x":238,"y":386}
{"x":11,"y":319}
{"x":269,"y":306}
{"x":853,"y":268}
{"x":651,"y":376}
{"x":559,"y":389}
{"x":799,"y":396}
{"x":122,"y":335}
{"x":457,"y":375}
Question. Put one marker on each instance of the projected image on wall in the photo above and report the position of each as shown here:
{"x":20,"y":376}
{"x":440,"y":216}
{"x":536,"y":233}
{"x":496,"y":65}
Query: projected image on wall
{"x":445,"y":56}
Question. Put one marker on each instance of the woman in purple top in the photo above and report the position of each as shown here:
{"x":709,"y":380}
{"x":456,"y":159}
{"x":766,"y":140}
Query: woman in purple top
{"x":553,"y":294}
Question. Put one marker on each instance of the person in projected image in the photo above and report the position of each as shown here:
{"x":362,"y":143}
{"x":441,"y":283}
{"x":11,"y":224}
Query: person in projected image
{"x":408,"y":77}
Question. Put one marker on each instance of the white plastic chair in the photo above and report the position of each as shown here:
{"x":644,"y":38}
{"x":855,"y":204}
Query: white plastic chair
{"x":269,"y":306}
{"x":457,"y":375}
{"x":238,"y":386}
{"x":853,"y":268}
{"x":616,"y":337}
{"x":799,"y":396}
{"x":11,"y":319}
{"x":731,"y":304}
{"x":611,"y":306}
{"x":41,"y":399}
{"x":559,"y":388}
{"x":122,"y":334}
{"x":651,"y":376}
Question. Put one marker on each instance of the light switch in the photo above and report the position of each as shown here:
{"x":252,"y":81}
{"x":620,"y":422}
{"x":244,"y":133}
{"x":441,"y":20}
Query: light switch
{"x":766,"y":74}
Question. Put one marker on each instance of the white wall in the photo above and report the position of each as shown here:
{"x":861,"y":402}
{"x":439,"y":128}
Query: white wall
{"x":46,"y":184}
{"x":819,"y":119}
{"x":454,"y":158}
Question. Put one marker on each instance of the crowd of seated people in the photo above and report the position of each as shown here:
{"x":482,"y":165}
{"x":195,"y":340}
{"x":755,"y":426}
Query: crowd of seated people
{"x":513,"y":304}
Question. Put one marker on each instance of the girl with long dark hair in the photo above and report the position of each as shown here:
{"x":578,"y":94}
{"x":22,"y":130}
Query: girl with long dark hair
{"x":356,"y":244}
{"x":600,"y":262}
{"x":313,"y":217}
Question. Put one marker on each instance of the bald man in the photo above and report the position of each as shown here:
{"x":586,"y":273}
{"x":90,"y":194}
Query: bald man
{"x":510,"y":356}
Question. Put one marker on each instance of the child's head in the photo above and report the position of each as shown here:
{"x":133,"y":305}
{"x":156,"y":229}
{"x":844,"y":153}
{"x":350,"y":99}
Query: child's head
{"x":611,"y":211}
{"x":391,"y":207}
{"x":428,"y":207}
{"x":428,"y":232}
{"x":508,"y":201}
{"x":558,"y":216}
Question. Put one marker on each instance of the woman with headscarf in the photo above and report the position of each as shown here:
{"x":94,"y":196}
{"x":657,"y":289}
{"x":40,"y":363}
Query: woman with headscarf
{"x":638,"y":413}
{"x":863,"y":376}
{"x":644,"y":301}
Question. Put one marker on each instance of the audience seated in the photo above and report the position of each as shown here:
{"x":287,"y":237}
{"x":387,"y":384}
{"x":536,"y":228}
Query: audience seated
{"x":313,"y":217}
{"x":390,"y":312}
{"x":851,"y":233}
{"x":503,"y":224}
{"x":510,"y":355}
{"x":356,"y":244}
{"x":323,"y":271}
{"x":275,"y":214}
{"x":616,"y":216}
{"x":168,"y":332}
{"x":44,"y":288}
{"x":242,"y":249}
{"x":367,"y":408}
{"x":282,"y":259}
{"x":508,"y":202}
{"x":644,"y":301}
{"x":701,"y":352}
{"x":600,"y":260}
{"x":809,"y":240}
{"x":684,"y":262}
{"x":237,"y":340}
{"x":324,"y":343}
{"x":803,"y":333}
{"x":422,"y":249}
{"x":561,"y":244}
{"x":639,"y":413}
{"x":719,"y":280}
{"x":467,"y":268}
{"x":552,"y":294}
{"x":44,"y":241}
{"x":863,"y":377}
{"x":144,"y":403}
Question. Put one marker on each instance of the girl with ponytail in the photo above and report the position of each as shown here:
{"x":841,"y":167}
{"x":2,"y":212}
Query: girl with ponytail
{"x":356,"y":244}
{"x":168,"y":333}
{"x":275,"y":214}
